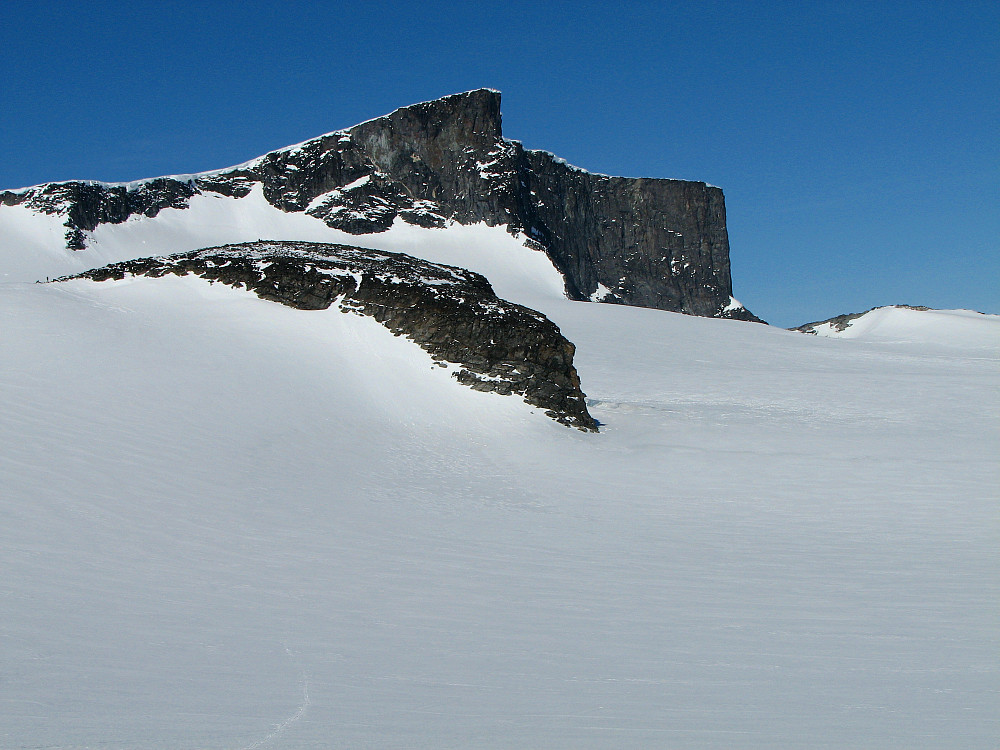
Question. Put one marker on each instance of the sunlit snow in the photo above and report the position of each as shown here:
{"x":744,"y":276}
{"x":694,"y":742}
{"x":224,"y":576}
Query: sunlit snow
{"x":231,"y":524}
{"x":33,"y":246}
{"x":905,"y":325}
{"x":601,"y":293}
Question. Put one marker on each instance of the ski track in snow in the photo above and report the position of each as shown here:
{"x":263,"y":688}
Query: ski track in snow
{"x":284,"y":725}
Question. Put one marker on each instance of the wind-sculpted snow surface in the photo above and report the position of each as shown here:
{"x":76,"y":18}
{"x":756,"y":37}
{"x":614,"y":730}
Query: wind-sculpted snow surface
{"x":451,"y":313}
{"x":229,"y":523}
{"x":648,"y":242}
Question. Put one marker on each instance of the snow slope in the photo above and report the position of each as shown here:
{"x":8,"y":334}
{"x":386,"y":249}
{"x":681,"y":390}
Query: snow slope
{"x":32,"y":245}
{"x":230,"y":524}
{"x":909,"y":325}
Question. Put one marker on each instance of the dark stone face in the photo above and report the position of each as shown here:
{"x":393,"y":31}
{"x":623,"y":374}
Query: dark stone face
{"x":451,"y":313}
{"x":645,"y":242}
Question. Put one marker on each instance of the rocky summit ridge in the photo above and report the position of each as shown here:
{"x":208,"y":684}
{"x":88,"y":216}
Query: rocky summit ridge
{"x":656,"y":243}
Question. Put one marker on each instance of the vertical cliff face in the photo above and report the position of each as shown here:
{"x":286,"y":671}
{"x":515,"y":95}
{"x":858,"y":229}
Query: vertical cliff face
{"x":644,"y":242}
{"x":647,"y":242}
{"x":432,"y":148}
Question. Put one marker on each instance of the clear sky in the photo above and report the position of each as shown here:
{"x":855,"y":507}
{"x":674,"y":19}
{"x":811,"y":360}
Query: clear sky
{"x":858,"y":143}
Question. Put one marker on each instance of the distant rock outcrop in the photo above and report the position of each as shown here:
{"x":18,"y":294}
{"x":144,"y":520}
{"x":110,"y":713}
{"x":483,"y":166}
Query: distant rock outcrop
{"x":840,"y":323}
{"x":451,"y":313}
{"x":647,"y":242}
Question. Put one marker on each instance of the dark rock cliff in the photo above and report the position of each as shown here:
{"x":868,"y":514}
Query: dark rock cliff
{"x":647,"y":242}
{"x":451,"y":313}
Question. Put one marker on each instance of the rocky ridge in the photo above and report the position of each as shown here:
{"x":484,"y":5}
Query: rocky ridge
{"x":648,"y":242}
{"x":451,"y":313}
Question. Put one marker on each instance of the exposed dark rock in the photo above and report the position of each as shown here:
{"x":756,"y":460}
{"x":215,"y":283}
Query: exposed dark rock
{"x":647,"y":242}
{"x":88,"y":204}
{"x":644,"y":242}
{"x":842,"y":322}
{"x":451,"y":313}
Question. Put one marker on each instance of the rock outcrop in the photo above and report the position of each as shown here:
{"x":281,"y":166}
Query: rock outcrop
{"x":451,"y":313}
{"x":647,"y":242}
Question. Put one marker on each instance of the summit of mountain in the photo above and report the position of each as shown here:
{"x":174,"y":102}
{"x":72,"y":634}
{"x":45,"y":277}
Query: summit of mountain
{"x":658,"y":243}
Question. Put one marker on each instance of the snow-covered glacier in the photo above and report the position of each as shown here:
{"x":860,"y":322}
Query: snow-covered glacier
{"x":233,"y":524}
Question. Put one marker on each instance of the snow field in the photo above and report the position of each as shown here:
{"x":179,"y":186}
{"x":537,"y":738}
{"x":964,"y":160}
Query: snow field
{"x":901,"y":325}
{"x":230,"y":524}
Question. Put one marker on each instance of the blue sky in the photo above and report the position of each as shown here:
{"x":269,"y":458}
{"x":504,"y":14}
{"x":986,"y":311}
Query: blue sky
{"x":858,"y":143}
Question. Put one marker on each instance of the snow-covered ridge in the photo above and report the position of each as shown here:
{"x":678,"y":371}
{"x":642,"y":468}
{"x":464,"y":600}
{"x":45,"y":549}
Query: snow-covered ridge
{"x":247,"y":165}
{"x":907,"y":324}
{"x":193,"y":177}
{"x":250,"y":164}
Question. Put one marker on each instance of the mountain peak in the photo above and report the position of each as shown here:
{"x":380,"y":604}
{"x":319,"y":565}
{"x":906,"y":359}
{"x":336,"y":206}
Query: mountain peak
{"x":474,"y":101}
{"x":431,"y":133}
{"x":647,"y":242}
